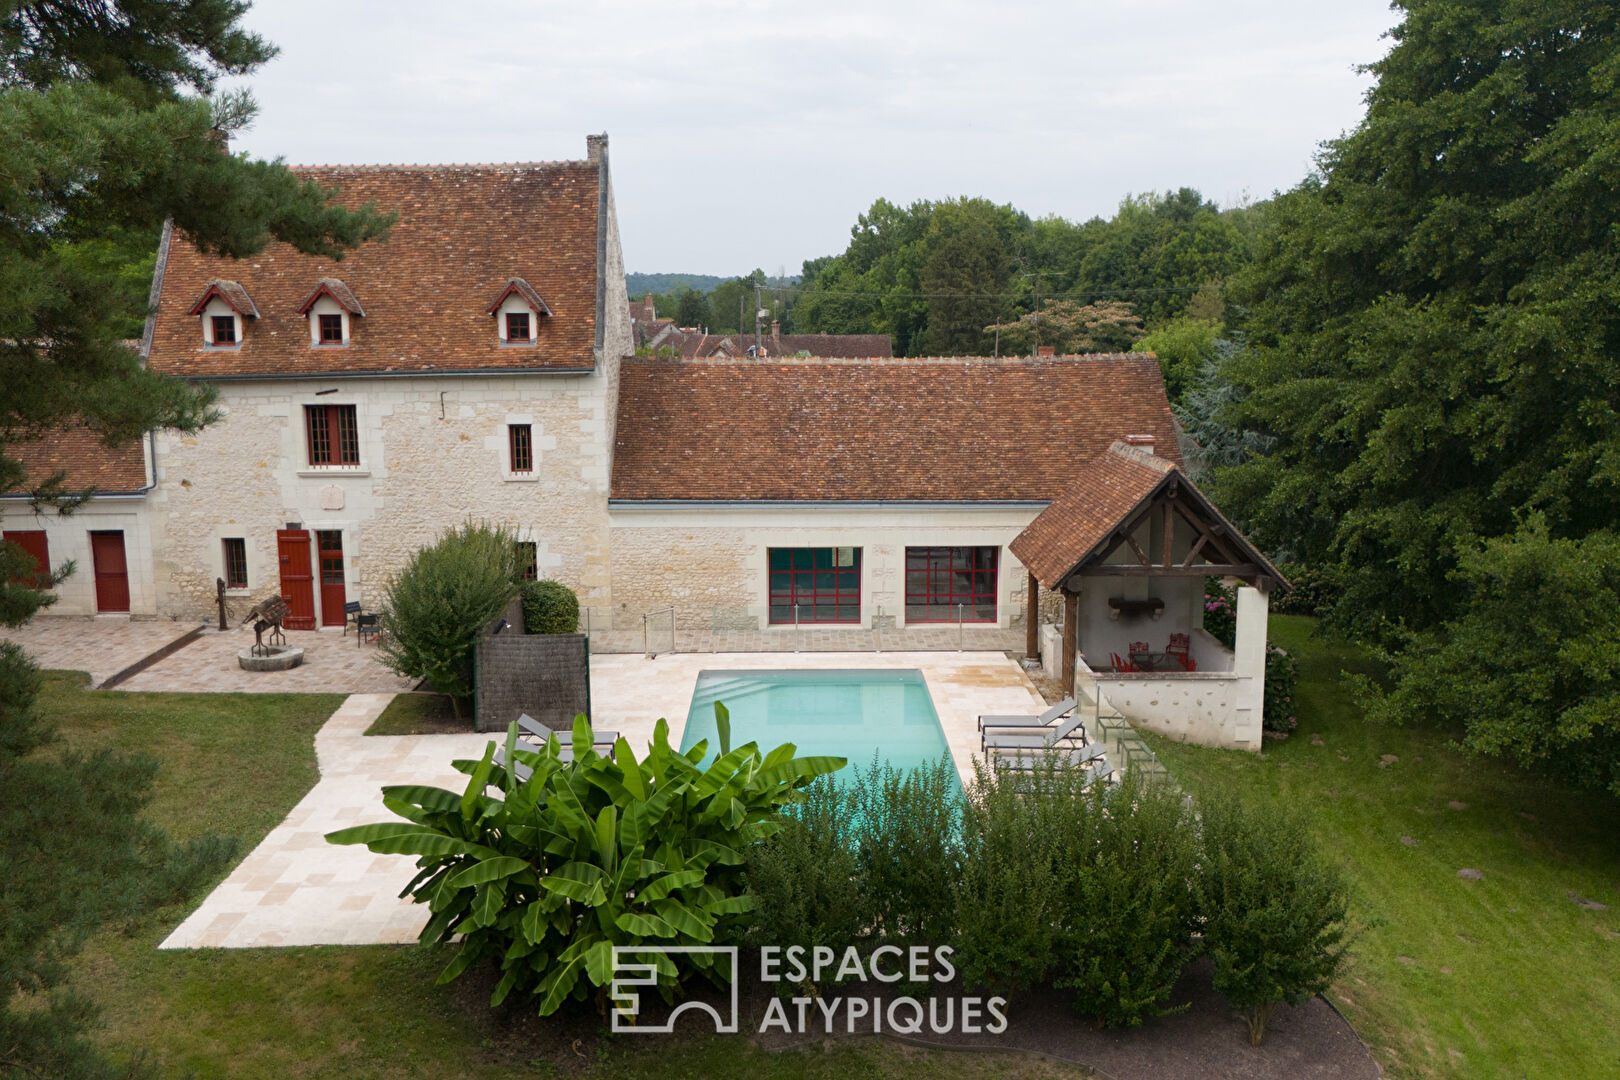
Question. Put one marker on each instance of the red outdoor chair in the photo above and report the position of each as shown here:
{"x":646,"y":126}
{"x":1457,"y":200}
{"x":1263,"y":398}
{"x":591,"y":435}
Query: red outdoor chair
{"x":1178,"y":648}
{"x":1121,"y":665}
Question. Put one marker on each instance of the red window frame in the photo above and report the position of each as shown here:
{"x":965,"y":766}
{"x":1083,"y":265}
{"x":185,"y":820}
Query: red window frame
{"x":513,"y":318}
{"x":331,"y":329}
{"x":332,"y":428}
{"x":520,"y":444}
{"x":224,"y":329}
{"x":235,"y":553}
{"x":940,"y":578}
{"x":824,"y":584}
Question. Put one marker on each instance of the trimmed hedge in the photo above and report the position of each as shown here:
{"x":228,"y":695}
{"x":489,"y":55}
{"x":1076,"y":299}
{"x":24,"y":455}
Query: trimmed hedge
{"x":549,"y":607}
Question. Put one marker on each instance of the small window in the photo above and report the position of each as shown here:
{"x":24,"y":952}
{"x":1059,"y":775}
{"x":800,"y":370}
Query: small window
{"x":224,"y":329}
{"x":528,"y":559}
{"x":334,"y":434}
{"x":331,"y":329}
{"x":235,"y":562}
{"x":517,"y":326}
{"x":522,"y":442}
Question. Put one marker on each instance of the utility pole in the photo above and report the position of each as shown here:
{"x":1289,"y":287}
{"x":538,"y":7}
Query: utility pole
{"x":757,"y":300}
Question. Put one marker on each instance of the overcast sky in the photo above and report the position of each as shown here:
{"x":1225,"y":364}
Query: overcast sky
{"x":749,"y":134}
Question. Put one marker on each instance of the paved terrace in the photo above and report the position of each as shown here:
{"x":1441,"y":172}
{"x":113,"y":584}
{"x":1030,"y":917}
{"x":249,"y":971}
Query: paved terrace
{"x":296,"y":889}
{"x":810,"y":639}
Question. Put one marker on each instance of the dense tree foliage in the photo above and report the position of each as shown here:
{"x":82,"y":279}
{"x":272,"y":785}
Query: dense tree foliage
{"x":1434,"y":332}
{"x":934,"y":275}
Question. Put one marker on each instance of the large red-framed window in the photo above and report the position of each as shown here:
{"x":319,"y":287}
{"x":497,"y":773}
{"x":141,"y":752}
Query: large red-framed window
{"x":822,"y":584}
{"x":34,"y":542}
{"x":334,"y":434}
{"x":941,"y":581}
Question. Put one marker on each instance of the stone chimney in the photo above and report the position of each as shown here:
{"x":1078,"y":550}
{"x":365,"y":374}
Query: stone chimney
{"x":1144,"y":441}
{"x":776,"y":329}
{"x":595,"y":146}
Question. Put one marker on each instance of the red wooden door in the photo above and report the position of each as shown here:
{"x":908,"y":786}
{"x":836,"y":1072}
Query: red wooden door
{"x":33,"y":542}
{"x":329,"y":553}
{"x":112,"y":572}
{"x":297,"y":584}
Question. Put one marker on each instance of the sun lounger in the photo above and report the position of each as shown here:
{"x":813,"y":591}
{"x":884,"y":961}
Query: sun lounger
{"x":1029,"y":760}
{"x":1044,"y":720}
{"x":1071,"y":730}
{"x":535,"y":730}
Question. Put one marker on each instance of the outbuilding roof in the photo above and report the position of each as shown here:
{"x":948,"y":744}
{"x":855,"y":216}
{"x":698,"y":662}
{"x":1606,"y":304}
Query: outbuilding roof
{"x":78,"y":451}
{"x":464,"y":233}
{"x":930,"y":429}
{"x":1103,"y":501}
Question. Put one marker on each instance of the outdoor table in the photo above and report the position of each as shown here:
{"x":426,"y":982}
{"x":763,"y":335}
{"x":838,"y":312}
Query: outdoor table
{"x":1154,"y":661}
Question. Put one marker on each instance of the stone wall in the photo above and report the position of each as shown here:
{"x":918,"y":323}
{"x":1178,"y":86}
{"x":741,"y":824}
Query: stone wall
{"x":711,"y":564}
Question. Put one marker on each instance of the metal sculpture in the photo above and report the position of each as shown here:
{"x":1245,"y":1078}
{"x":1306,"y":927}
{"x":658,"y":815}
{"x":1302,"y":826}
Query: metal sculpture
{"x":267,"y":614}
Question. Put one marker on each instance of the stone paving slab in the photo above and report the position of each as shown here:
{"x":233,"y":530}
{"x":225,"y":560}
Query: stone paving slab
{"x":102,"y":645}
{"x":334,"y":663}
{"x":296,"y":889}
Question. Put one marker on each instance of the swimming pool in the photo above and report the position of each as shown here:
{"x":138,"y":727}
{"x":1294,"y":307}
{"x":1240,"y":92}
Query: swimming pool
{"x":850,"y":714}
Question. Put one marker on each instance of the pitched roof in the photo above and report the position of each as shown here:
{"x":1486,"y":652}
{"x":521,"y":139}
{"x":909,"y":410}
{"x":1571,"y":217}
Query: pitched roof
{"x":946,"y":429}
{"x":339,"y":292}
{"x":77,"y":451}
{"x":523,"y":289}
{"x":642,"y":311}
{"x":1102,"y":495}
{"x":228,"y":291}
{"x":464,"y":232}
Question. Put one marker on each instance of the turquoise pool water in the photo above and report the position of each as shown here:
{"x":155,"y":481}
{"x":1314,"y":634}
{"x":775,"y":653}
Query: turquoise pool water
{"x":851,"y":714}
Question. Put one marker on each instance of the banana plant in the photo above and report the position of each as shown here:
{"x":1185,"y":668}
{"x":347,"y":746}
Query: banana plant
{"x":547,"y":874}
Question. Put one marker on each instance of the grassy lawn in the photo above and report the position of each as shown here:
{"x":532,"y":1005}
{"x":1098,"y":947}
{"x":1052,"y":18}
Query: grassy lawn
{"x":1501,"y":977}
{"x":235,"y":764}
{"x":420,"y":713}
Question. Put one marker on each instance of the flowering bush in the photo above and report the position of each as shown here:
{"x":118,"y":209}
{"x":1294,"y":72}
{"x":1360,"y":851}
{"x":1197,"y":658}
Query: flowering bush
{"x":1220,"y":612}
{"x":1282,"y":671}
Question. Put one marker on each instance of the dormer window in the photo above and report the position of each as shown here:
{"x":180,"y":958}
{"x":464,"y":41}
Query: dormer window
{"x":517,"y":312}
{"x":330,"y":309}
{"x":224,"y":307}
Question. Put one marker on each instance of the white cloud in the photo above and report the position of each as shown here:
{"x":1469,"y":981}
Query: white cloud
{"x":749,"y":133}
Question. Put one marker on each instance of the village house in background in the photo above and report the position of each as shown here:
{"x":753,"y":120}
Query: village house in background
{"x":481,"y":362}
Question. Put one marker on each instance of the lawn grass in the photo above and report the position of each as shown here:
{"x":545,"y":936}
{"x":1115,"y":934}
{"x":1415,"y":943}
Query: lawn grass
{"x":236,"y":764}
{"x":1505,"y":977}
{"x":420,"y":713}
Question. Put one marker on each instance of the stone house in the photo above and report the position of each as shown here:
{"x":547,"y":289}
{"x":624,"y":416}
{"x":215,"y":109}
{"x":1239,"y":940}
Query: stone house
{"x":479,"y":363}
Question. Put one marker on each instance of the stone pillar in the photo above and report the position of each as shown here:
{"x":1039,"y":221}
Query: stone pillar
{"x":1071,"y":638}
{"x":1249,"y":664}
{"x":1032,"y":618}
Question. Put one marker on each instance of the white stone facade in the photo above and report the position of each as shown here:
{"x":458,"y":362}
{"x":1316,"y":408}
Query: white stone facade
{"x":68,"y":538}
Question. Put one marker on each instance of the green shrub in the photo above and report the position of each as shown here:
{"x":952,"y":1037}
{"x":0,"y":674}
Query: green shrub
{"x":908,"y":848}
{"x":1128,"y":900}
{"x":1010,"y":912}
{"x":1282,"y":672}
{"x":1315,"y":591}
{"x":806,"y":880}
{"x":548,"y":874}
{"x":549,"y":607}
{"x":1274,"y":911}
{"x":436,"y":606}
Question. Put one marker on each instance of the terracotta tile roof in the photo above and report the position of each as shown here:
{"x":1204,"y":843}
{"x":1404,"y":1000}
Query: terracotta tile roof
{"x":834,"y":345}
{"x":78,"y":451}
{"x":464,"y":232}
{"x":228,"y":291}
{"x":1102,"y":494}
{"x":946,"y":429}
{"x":642,"y":311}
{"x":339,"y":292}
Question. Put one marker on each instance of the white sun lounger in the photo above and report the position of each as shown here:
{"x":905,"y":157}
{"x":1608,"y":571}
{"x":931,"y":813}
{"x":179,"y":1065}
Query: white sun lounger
{"x":1071,"y":729}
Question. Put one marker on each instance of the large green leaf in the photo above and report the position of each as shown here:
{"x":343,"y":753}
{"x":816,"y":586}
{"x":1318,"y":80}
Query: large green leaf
{"x":502,"y":866}
{"x":402,"y":838}
{"x":645,"y":925}
{"x":488,"y":902}
{"x":722,"y":727}
{"x":625,"y":758}
{"x":599,"y":963}
{"x":559,"y":984}
{"x":480,"y":780}
{"x":684,"y":920}
{"x":607,"y":837}
{"x":579,"y":881}
{"x":459,"y":963}
{"x":668,"y":883}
